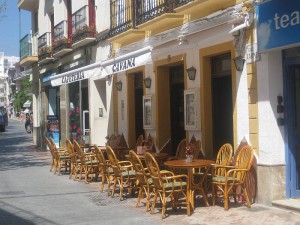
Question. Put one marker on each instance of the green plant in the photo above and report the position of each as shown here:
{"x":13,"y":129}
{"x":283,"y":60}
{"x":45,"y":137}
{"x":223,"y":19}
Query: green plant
{"x":21,"y":96}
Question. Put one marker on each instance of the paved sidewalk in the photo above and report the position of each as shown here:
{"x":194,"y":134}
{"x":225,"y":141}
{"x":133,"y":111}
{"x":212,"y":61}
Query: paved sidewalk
{"x":30,"y":194}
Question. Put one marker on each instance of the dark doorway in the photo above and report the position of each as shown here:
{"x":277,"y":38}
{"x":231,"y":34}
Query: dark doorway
{"x":138,"y":98}
{"x":222,"y":106}
{"x":176,"y":105}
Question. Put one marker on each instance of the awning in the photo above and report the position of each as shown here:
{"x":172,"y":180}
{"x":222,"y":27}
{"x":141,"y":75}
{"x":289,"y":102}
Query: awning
{"x":81,"y":73}
{"x":27,"y":104}
{"x":126,"y":62}
{"x":105,"y":68}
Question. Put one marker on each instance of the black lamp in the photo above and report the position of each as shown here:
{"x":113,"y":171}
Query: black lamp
{"x":191,"y":73}
{"x":119,"y":85}
{"x":147,"y":82}
{"x":239,"y":63}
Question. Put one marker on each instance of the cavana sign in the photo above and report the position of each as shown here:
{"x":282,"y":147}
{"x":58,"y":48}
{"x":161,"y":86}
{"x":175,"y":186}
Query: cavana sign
{"x":278,"y":24}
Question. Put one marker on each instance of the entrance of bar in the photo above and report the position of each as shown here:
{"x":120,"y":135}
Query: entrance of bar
{"x":292,"y":124}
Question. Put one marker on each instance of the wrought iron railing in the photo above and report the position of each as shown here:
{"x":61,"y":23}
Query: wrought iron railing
{"x":44,"y":40}
{"x":79,"y":18}
{"x":25,"y":46}
{"x":60,"y":30}
{"x":122,"y":16}
{"x":126,"y":14}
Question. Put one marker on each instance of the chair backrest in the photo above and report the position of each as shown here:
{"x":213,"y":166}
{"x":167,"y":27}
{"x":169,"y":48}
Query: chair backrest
{"x":49,"y":146}
{"x":138,"y":167}
{"x":224,"y":155}
{"x":244,"y":160}
{"x":180,"y":152}
{"x":113,"y":160}
{"x":224,"y":158}
{"x":99,"y":155}
{"x":197,"y":151}
{"x":150,"y":142}
{"x":79,"y":153}
{"x":139,"y":142}
{"x":154,"y":171}
{"x":71,"y":151}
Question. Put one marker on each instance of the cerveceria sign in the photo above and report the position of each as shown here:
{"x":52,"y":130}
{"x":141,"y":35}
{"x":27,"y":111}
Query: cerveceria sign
{"x":123,"y":65}
{"x":73,"y":77}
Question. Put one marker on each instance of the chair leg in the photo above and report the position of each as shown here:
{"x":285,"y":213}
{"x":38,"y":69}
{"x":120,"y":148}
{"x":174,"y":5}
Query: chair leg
{"x":246,"y":197}
{"x":140,"y":195}
{"x":103,"y":180}
{"x":163,"y":210}
{"x":226,"y":198}
{"x":154,"y":202}
{"x":213,"y":194}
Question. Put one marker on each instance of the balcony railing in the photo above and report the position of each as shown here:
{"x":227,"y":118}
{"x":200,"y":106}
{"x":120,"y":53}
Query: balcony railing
{"x":60,"y":37}
{"x":122,"y":16}
{"x":25,"y":46}
{"x":44,"y":45}
{"x":129,"y":14}
{"x":44,"y":40}
{"x":80,"y":25}
{"x":60,"y":30}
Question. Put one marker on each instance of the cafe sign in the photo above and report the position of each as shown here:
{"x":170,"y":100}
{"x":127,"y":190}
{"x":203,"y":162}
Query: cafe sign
{"x":278,"y":24}
{"x":125,"y":64}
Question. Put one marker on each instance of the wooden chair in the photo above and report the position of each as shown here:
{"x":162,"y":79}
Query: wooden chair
{"x":63,"y":155}
{"x":124,"y":175}
{"x":143,"y":178}
{"x":73,"y":159}
{"x":233,"y":176}
{"x":53,"y":162}
{"x":86,"y":163}
{"x":59,"y":159}
{"x":139,"y":142}
{"x":166,"y":186}
{"x":105,"y":169}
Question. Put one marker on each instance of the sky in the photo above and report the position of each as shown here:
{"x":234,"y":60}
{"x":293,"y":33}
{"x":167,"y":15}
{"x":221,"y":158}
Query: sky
{"x":11,"y":30}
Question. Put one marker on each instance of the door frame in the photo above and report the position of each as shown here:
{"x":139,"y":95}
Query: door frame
{"x":205,"y":55}
{"x":291,"y":191}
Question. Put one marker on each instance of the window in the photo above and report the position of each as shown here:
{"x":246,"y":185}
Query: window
{"x":35,"y":22}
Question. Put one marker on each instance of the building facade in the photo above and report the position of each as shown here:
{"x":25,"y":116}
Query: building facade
{"x":173,"y":70}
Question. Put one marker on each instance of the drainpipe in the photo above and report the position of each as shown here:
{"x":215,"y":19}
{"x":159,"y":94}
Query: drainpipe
{"x":247,"y":23}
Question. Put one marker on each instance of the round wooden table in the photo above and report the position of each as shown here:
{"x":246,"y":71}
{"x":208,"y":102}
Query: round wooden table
{"x":196,"y":163}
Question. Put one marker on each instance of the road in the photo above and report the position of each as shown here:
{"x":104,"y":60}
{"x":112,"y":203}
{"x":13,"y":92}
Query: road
{"x":30,"y":194}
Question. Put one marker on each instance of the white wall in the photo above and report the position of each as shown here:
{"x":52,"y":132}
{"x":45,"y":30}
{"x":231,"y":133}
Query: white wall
{"x":78,"y":4}
{"x":270,"y":85}
{"x":60,"y":11}
{"x":102,"y":15}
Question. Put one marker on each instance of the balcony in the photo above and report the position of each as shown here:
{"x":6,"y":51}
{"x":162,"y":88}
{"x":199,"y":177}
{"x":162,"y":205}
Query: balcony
{"x":45,"y":48}
{"x":61,"y":44}
{"x":28,"y":53}
{"x":82,"y":32}
{"x":134,"y":19}
{"x":28,"y":5}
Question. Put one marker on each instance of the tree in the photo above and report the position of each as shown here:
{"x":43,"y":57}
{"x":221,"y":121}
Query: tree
{"x":23,"y":94}
{"x":2,"y":8}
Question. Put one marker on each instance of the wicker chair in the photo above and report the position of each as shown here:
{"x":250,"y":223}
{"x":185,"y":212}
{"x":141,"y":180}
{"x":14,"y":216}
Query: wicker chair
{"x":105,"y":169}
{"x":123,"y":173}
{"x":86,"y":163}
{"x":139,"y":142}
{"x":53,"y":162}
{"x":143,"y":178}
{"x":227,"y":178}
{"x":63,"y":155}
{"x":166,"y":185}
{"x":73,"y":159}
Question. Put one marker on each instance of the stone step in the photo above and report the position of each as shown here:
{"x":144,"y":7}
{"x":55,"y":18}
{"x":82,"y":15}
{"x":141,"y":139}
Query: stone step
{"x":291,"y":204}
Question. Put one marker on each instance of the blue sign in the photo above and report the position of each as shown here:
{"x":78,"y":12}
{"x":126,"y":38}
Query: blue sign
{"x":48,"y":77}
{"x":278,"y":24}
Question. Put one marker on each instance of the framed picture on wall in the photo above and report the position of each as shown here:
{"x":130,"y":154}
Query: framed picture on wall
{"x":191,"y":99}
{"x":147,"y":112}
